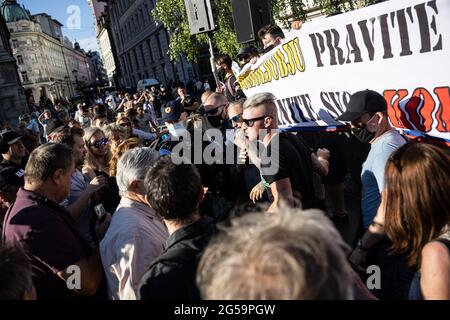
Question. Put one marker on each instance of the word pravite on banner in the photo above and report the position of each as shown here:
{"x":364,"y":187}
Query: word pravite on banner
{"x":398,"y":48}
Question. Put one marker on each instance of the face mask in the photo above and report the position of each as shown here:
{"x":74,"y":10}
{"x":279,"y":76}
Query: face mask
{"x":221,"y":73}
{"x":362,"y":134}
{"x":177,"y":129}
{"x":216,"y":121}
{"x":268,"y":48}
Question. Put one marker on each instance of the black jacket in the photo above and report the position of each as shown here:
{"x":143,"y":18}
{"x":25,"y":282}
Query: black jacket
{"x":172,"y":275}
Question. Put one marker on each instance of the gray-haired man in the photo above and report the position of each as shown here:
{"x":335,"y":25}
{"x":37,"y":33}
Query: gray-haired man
{"x":136,"y":235}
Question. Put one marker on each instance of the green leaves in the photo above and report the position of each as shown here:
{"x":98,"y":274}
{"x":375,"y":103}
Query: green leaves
{"x":172,"y":14}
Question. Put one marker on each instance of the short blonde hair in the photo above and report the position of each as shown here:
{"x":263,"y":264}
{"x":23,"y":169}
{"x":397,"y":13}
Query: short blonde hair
{"x":290,"y":255}
{"x":265,"y":98}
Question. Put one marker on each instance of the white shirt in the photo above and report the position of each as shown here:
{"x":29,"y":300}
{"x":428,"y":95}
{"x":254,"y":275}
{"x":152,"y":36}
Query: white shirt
{"x":111,"y":101}
{"x":135,"y":237}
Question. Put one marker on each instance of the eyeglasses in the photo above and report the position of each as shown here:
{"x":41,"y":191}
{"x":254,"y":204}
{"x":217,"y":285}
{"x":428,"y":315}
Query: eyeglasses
{"x":359,"y":123}
{"x":100,"y":143}
{"x":237,"y":118}
{"x":125,"y":124}
{"x":251,"y":122}
{"x":215,"y":110}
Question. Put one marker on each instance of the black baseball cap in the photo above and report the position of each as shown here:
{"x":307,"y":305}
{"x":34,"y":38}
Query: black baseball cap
{"x":10,"y":137}
{"x":361,"y":102}
{"x":11,"y":176}
{"x":171,"y":111}
{"x":246,"y":51}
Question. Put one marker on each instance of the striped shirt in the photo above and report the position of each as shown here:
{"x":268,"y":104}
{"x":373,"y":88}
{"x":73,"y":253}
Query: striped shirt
{"x":135,"y":237}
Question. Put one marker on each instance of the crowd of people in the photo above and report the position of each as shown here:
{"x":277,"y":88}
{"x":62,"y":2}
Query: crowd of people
{"x":95,"y":205}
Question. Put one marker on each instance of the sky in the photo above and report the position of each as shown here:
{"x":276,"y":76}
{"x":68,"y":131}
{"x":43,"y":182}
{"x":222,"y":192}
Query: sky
{"x":66,"y":12}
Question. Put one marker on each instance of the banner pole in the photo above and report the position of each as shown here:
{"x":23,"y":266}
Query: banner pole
{"x":211,"y":53}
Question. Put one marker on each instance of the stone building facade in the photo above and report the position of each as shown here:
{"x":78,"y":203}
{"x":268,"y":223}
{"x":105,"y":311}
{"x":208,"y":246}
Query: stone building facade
{"x":49,"y":66}
{"x":142,"y":44}
{"x":12,"y":97}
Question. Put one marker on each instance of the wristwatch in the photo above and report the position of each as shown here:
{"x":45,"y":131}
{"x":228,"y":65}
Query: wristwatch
{"x":360,"y":246}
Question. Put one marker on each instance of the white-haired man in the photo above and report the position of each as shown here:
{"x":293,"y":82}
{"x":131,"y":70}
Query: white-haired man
{"x":136,"y":236}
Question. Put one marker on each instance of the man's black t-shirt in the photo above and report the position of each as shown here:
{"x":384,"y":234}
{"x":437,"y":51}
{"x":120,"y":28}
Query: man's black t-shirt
{"x":293,"y":162}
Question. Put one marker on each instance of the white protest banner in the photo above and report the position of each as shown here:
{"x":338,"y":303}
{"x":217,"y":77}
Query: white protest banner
{"x":400,"y":49}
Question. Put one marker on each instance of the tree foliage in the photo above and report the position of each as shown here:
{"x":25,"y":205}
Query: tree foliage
{"x":172,"y":14}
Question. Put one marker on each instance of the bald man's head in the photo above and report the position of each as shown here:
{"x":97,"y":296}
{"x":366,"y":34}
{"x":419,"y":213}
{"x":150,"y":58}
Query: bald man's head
{"x":206,"y":95}
{"x":215,"y":100}
{"x":216,"y":109}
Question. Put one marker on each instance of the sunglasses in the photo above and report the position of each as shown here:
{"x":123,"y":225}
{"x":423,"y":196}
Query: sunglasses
{"x":100,"y":143}
{"x":237,"y":118}
{"x":360,"y":123}
{"x":251,"y":122}
{"x":125,"y":124}
{"x":214,"y":111}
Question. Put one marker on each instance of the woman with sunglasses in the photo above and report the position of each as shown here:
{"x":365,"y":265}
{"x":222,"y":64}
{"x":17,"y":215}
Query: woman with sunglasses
{"x":98,"y":153}
{"x":126,"y":123}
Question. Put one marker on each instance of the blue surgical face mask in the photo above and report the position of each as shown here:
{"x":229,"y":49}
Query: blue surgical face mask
{"x":177,"y":129}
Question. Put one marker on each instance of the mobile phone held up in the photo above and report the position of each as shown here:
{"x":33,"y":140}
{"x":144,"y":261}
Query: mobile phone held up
{"x":100,"y":211}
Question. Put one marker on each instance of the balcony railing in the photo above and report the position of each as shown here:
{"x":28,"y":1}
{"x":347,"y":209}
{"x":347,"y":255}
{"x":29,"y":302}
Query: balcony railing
{"x":36,"y":81}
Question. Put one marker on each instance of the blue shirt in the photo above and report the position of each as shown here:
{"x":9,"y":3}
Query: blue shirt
{"x":372,"y":175}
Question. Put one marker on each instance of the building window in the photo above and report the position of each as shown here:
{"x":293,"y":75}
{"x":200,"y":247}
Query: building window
{"x":14,"y":42}
{"x":124,"y":65}
{"x":20,"y":60}
{"x":143,"y":17}
{"x":165,"y":75}
{"x":136,"y":58}
{"x":129,"y":62}
{"x":141,"y":47}
{"x":159,"y":46}
{"x":149,"y":44}
{"x":25,"y":76}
